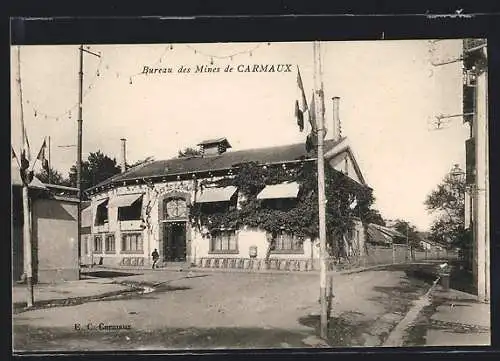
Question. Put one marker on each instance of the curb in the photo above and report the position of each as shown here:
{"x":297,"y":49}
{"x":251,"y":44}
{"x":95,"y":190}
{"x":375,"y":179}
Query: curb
{"x":19,"y":307}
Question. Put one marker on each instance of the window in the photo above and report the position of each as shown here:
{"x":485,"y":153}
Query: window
{"x":98,"y":244}
{"x":84,"y":245}
{"x":101,"y":217}
{"x":132,"y":242}
{"x":217,"y":207}
{"x":224,"y":241}
{"x":132,"y":212}
{"x":287,"y":242}
{"x":109,"y":243}
{"x":284,"y":204}
{"x":175,"y":208}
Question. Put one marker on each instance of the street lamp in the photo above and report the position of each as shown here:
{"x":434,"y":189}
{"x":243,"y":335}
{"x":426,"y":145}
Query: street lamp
{"x":456,"y":173}
{"x":456,"y":176}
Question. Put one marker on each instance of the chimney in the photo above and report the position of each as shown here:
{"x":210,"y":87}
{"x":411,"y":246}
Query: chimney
{"x":123,"y":160}
{"x":336,"y":129}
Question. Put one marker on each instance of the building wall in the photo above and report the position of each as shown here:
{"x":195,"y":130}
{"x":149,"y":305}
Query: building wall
{"x":151,"y":234}
{"x":247,"y":238}
{"x":482,"y":237}
{"x":17,"y":234}
{"x":55,"y":234}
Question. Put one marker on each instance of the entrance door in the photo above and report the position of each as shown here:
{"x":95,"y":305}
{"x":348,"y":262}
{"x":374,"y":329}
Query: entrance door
{"x":175,"y":241}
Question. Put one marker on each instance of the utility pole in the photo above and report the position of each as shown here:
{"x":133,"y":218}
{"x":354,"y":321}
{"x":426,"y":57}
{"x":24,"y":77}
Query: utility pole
{"x":79,"y":146}
{"x":49,"y":169}
{"x":26,"y":176}
{"x":318,"y":88}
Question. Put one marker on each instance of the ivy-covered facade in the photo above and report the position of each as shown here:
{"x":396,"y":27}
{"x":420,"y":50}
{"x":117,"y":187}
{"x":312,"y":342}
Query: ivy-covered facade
{"x":246,"y":206}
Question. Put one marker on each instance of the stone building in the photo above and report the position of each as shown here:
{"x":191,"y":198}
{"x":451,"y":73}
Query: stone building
{"x":146,"y":208}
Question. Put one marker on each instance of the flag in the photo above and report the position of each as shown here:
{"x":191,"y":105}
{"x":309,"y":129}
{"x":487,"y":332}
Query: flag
{"x":41,"y":155}
{"x":353,"y":204}
{"x":301,"y":103}
{"x":13,"y":153}
{"x":312,"y":115}
{"x":25,"y":152}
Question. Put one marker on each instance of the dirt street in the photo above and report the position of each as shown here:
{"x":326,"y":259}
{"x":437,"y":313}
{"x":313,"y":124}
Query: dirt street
{"x":220,"y":310}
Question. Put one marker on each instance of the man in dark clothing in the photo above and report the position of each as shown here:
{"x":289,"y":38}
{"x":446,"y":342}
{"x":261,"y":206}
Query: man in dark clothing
{"x":156,"y":257}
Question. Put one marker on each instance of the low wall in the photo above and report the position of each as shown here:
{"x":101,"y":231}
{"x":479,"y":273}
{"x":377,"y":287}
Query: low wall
{"x":256,"y":264}
{"x":119,"y":261}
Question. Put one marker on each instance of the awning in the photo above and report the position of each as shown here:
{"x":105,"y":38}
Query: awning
{"x":284,"y":190}
{"x":125,"y":200}
{"x":210,"y":195}
{"x":99,"y":202}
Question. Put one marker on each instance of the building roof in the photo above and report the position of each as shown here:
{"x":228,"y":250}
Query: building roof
{"x":227,"y":160}
{"x":389,"y":231}
{"x":375,"y":235}
{"x":215,"y":141}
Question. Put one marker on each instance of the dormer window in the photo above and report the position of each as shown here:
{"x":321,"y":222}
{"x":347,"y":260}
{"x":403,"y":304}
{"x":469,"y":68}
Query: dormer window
{"x":214,"y":146}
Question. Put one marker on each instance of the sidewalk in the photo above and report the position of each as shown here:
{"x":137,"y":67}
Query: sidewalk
{"x":65,"y":290}
{"x":459,"y":320}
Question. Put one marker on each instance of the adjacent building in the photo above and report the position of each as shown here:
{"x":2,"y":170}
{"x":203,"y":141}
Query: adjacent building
{"x":475,"y":111}
{"x":53,"y":211}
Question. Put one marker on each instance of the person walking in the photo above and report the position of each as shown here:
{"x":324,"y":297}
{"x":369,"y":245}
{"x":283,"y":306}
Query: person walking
{"x":156,"y":257}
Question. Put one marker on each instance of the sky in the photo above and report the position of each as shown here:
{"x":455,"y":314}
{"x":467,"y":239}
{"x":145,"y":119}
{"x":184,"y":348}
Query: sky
{"x":389,"y":93}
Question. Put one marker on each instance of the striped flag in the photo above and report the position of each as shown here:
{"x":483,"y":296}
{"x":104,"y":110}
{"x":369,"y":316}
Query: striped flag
{"x":301,"y":102}
{"x":41,"y":155}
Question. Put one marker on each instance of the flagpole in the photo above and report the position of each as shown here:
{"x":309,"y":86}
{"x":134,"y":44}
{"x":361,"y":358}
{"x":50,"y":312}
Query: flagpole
{"x":318,"y":87}
{"x":27,"y":247}
{"x":79,"y":151}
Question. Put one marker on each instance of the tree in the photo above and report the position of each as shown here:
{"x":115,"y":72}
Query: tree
{"x":406,"y":228}
{"x":447,"y":202}
{"x":188,"y":152}
{"x":97,"y":168}
{"x":374,"y":216}
{"x":299,"y":217}
{"x":55,"y":177}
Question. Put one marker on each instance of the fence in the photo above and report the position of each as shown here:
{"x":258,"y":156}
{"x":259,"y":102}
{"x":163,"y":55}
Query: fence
{"x":394,"y":254}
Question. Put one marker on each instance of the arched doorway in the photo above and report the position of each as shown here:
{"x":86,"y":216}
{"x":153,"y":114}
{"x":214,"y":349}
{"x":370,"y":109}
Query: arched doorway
{"x":174,"y":227}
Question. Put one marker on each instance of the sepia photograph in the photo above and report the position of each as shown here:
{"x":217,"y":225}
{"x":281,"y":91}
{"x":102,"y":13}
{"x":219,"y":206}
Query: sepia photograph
{"x":250,"y":195}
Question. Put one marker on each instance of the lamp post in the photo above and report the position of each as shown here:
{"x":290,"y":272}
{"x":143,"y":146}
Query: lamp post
{"x":456,"y":173}
{"x":457,"y":177}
